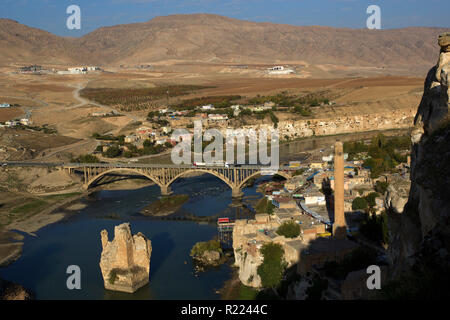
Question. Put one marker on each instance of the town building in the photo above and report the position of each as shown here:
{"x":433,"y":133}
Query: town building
{"x":217,"y":117}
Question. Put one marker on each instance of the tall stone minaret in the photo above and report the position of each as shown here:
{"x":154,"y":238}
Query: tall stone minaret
{"x":339,"y":225}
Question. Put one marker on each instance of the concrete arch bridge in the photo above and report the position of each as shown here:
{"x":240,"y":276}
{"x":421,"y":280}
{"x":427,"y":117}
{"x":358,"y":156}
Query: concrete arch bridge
{"x":164,"y":175}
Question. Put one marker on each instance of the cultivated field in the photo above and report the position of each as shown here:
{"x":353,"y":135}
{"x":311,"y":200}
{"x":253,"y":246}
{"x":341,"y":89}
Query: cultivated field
{"x":61,"y":102}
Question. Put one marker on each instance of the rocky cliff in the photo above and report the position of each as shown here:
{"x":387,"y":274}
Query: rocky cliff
{"x":248,"y":262}
{"x":339,"y":124}
{"x":420,"y":235}
{"x":125,"y":261}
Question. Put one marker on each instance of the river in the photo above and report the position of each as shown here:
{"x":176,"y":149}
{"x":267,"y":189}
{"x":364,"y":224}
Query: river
{"x":76,"y":239}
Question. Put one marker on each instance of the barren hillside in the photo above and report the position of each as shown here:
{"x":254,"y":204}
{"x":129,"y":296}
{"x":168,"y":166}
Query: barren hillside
{"x":213,"y":38}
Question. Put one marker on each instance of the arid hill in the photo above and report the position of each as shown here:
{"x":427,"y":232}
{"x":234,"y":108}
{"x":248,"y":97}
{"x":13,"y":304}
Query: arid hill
{"x":218,"y":39}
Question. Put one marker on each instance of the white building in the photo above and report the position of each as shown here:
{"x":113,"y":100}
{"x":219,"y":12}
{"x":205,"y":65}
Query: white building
{"x":131,"y":138}
{"x":77,"y":70}
{"x":11,"y":123}
{"x":279,"y":70}
{"x":26,"y":122}
{"x":161,"y":141}
{"x":217,"y":117}
{"x":166,"y":130}
{"x":236,"y":109}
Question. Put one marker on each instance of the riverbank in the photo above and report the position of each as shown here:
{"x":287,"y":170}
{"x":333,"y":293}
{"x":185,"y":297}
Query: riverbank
{"x":233,"y":289}
{"x":29,"y":218}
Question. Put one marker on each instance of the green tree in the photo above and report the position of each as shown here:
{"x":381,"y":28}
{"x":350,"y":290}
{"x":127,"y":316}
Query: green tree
{"x":370,"y":198}
{"x":86,"y":158}
{"x":375,"y":228}
{"x":113,"y":151}
{"x":289,"y":229}
{"x":274,"y":119}
{"x":128,"y":154}
{"x":359,"y":204}
{"x":121,"y":140}
{"x":381,"y":186}
{"x":272,"y":268}
{"x":152,"y":114}
{"x":148,"y":143}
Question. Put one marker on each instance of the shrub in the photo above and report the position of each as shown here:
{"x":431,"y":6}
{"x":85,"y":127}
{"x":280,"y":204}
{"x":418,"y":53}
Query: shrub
{"x":272,"y":268}
{"x":289,"y":229}
{"x":112,"y":276}
{"x":299,"y":172}
{"x":200,"y":247}
{"x":86,"y":158}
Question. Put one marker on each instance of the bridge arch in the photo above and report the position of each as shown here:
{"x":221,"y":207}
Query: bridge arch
{"x":132,"y":170}
{"x":212,"y":172}
{"x":278,"y":173}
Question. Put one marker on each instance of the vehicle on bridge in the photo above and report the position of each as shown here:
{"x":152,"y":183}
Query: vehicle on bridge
{"x":219,"y":163}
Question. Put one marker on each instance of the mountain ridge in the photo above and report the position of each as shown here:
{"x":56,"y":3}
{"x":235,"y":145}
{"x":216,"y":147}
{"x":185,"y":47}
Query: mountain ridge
{"x":206,"y":37}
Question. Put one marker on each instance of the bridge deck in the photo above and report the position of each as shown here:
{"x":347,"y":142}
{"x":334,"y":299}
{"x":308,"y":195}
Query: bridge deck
{"x":135,"y":165}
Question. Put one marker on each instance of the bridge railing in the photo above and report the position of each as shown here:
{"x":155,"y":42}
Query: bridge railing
{"x":134,"y":165}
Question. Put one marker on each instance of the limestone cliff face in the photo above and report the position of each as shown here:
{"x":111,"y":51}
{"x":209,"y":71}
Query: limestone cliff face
{"x":248,"y":263}
{"x":294,"y":129}
{"x":421,"y":234}
{"x":246,"y":253}
{"x":125,"y":261}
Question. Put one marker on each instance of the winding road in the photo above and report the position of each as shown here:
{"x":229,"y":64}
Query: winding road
{"x":76,"y":94}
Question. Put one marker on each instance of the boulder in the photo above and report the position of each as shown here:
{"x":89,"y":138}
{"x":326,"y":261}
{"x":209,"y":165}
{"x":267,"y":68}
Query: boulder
{"x":125,"y":261}
{"x":211,"y":256}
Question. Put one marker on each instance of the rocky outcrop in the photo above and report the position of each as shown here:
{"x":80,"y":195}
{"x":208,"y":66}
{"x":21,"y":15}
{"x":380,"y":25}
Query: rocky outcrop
{"x":339,"y":124}
{"x":397,"y":194}
{"x":13,"y":291}
{"x":248,"y":262}
{"x":420,"y":245}
{"x":125,"y":261}
{"x":247,"y":256}
{"x":206,"y":254}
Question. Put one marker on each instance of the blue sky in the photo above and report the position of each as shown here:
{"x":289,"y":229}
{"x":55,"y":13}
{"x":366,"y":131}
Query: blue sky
{"x":51,"y":15}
